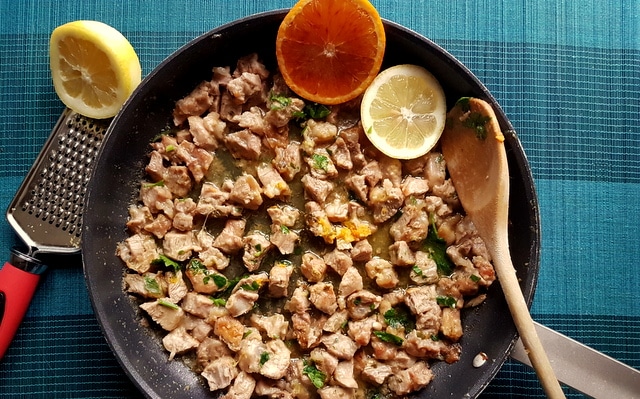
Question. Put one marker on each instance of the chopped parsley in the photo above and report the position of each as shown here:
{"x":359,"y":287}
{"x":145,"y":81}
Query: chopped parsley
{"x":170,"y":148}
{"x":219,"y":301}
{"x":436,"y":247}
{"x":316,"y":376}
{"x":417,"y":270}
{"x":387,"y":337}
{"x":264,"y":357}
{"x":254,"y":286}
{"x":477,"y":122}
{"x":246,"y":334}
{"x":152,"y":286}
{"x":219,"y":280}
{"x":447,"y":301}
{"x":156,"y":184}
{"x":320,"y":161}
{"x":284,"y":229}
{"x":474,"y":278}
{"x":167,"y":262}
{"x":463,"y":102}
{"x":399,"y":317}
{"x":313,"y":111}
{"x":168,"y":304}
{"x":279,"y":101}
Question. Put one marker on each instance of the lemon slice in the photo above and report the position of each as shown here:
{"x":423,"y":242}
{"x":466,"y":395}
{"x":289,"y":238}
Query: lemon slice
{"x":94,"y":68}
{"x":403,"y":111}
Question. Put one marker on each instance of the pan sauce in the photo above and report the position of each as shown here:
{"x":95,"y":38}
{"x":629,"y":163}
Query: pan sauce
{"x":343,"y":273}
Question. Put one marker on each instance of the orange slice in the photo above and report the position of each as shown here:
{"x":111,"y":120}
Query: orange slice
{"x":329,"y":51}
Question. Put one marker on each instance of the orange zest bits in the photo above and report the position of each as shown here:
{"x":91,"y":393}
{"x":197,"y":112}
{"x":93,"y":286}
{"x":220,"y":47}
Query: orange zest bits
{"x":329,"y":51}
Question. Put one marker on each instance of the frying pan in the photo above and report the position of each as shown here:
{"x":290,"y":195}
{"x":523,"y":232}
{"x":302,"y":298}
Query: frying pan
{"x":119,"y":169}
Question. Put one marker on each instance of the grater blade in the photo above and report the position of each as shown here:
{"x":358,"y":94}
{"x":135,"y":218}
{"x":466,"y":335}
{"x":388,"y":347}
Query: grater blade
{"x":46,"y":212}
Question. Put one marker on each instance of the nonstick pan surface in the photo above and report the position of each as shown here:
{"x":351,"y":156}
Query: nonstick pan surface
{"x":120,"y":166}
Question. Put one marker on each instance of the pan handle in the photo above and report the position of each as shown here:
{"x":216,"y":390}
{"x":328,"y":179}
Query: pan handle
{"x":18,"y":282}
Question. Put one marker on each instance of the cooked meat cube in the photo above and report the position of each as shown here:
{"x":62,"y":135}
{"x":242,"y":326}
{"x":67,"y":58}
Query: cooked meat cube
{"x":230,"y":330}
{"x":362,"y":251}
{"x":385,"y":201}
{"x":250,"y":353}
{"x":159,"y":226}
{"x":451,"y":326}
{"x":184,"y":211}
{"x":425,"y":270}
{"x":178,"y":180}
{"x":179,"y":246}
{"x":414,"y":187}
{"x":256,"y":246}
{"x":179,"y":341}
{"x":156,"y":196}
{"x":138,"y":251}
{"x":212,"y":201}
{"x":246,"y":192}
{"x":318,"y":223}
{"x":139,"y":216}
{"x":176,"y":286}
{"x":351,"y":282}
{"x":340,"y":154}
{"x":278,"y":358}
{"x":321,"y":166}
{"x":212,"y":257}
{"x":412,"y":379}
{"x":279,"y":276}
{"x":340,"y":345}
{"x":149,"y":285}
{"x":336,"y":392}
{"x":401,"y":255}
{"x":197,"y":304}
{"x":201,"y":99}
{"x":422,"y":302}
{"x":338,"y":261}
{"x":273,"y":186}
{"x":220,"y":374}
{"x":198,"y":328}
{"x":411,"y":226}
{"x":197,"y":160}
{"x":384,"y":350}
{"x":271,"y":389}
{"x":324,"y":361}
{"x":211,"y":349}
{"x":343,"y":375}
{"x":280,"y":114}
{"x":288,"y":161}
{"x":274,"y":326}
{"x":376,"y":372}
{"x":316,"y":133}
{"x":337,"y":210}
{"x":372,"y":173}
{"x":313,"y":267}
{"x":203,"y":280}
{"x":336,"y":321}
{"x":283,"y":215}
{"x":245,"y":86}
{"x":244,"y":144}
{"x":360,"y":330}
{"x":241,"y":302}
{"x":357,"y":184}
{"x":323,"y":297}
{"x":316,"y":189}
{"x":242,"y":388}
{"x":165,"y":313}
{"x":299,"y":301}
{"x":252,"y":282}
{"x":307,"y":331}
{"x":254,"y":121}
{"x":362,"y":303}
{"x":283,"y":238}
{"x":383,"y":272}
{"x":230,"y":240}
{"x":435,"y":169}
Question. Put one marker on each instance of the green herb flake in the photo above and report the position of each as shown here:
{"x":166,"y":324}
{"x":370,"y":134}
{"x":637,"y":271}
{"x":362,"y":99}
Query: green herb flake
{"x":168,"y":304}
{"x":387,"y":337}
{"x":463,"y":102}
{"x":156,"y":184}
{"x":317,"y":111}
{"x":254,"y":286}
{"x":447,"y":301}
{"x":219,"y":301}
{"x":167,"y":262}
{"x":477,"y":122}
{"x":320,"y":161}
{"x":152,"y":286}
{"x":316,"y":376}
{"x":417,"y":270}
{"x":279,"y":101}
{"x":474,"y":278}
{"x":399,"y":317}
{"x":219,"y":280}
{"x":284,"y":229}
{"x":170,"y":148}
{"x":246,"y":334}
{"x":435,"y":338}
{"x":264,"y":357}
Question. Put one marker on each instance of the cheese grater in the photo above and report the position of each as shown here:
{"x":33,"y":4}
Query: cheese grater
{"x":46,"y":212}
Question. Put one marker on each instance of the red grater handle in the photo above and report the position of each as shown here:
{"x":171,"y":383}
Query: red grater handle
{"x":16,"y":290}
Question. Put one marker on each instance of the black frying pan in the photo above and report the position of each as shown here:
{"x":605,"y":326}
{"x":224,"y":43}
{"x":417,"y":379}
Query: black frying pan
{"x":119,"y":168}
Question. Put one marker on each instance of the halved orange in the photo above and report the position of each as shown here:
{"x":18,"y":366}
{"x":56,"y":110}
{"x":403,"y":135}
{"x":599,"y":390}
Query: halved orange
{"x":329,"y":51}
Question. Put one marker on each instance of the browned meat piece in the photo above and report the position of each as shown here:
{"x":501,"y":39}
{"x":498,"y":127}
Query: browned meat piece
{"x":412,"y":379}
{"x":168,"y":317}
{"x":382,"y":271}
{"x":271,"y":389}
{"x":274,"y":326}
{"x":254,"y":121}
{"x":422,"y":303}
{"x":277,"y":363}
{"x":211,"y":349}
{"x":299,"y":301}
{"x":318,"y":223}
{"x":324,"y":361}
{"x":288,"y":161}
{"x":159,"y":226}
{"x":155,"y":168}
{"x":385,"y":201}
{"x":279,"y":276}
{"x":357,"y":184}
{"x":281,"y":112}
{"x":147,"y":285}
{"x":362,"y":251}
{"x":338,"y":209}
{"x":245,"y":86}
{"x":336,"y":392}
{"x":448,"y":193}
{"x":242,"y":388}
{"x":362,"y":303}
{"x":316,"y":188}
{"x":316,"y":133}
{"x":273,"y":186}
{"x":230,"y":107}
{"x":435,"y":169}
{"x":338,"y":260}
{"x":351,"y":282}
{"x":200,"y":100}
{"x":337,"y":321}
{"x":203,"y":137}
{"x":428,"y":269}
{"x":284,"y":215}
{"x":351,"y":138}
{"x":196,"y":159}
{"x":401,"y":255}
{"x":451,"y":326}
{"x":244,"y":145}
{"x":411,"y":226}
{"x":241,"y":302}
{"x":372,"y":173}
{"x":246,"y":192}
{"x":414,"y":186}
{"x":306,"y":330}
{"x":251,"y":63}
{"x":313,"y":267}
{"x":138,"y":251}
{"x":179,"y":341}
{"x":320,"y":165}
{"x":156,"y":197}
{"x":340,"y":345}
{"x":249,"y":354}
{"x":230,"y":240}
{"x":210,"y":256}
{"x":220,"y":374}
{"x":230,"y":330}
{"x":139,"y":216}
{"x":178,"y":245}
{"x":256,"y":246}
{"x":376,"y":372}
{"x":343,"y":375}
{"x":323,"y":297}
{"x":212,"y":201}
{"x":178,"y":180}
{"x":340,"y":154}
{"x":360,"y":330}
{"x":203,"y":280}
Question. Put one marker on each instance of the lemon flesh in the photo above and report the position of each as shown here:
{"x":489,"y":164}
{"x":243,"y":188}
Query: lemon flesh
{"x":403,"y":111}
{"x":94,"y":68}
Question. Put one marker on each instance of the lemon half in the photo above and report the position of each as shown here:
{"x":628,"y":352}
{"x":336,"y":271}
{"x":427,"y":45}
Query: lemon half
{"x":403,"y":111}
{"x":94,"y":68}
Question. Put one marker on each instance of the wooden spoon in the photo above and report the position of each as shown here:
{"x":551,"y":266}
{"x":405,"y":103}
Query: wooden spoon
{"x":473,"y":148}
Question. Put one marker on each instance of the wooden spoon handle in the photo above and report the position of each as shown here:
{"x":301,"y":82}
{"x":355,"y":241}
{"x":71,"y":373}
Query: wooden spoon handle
{"x":522,"y":319}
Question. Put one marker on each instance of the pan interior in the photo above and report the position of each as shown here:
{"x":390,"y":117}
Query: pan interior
{"x":120,"y":165}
